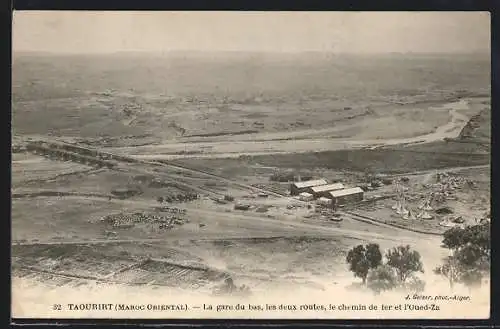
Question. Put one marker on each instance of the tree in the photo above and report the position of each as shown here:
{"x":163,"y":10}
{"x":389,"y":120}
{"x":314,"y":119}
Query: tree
{"x":361,"y":259}
{"x":381,"y":278}
{"x":471,"y":255}
{"x":478,"y":235}
{"x":373,"y":255}
{"x":454,"y":238}
{"x":449,"y":270}
{"x":470,"y":259}
{"x":414,"y":284}
{"x":159,"y":199}
{"x":405,"y":261}
{"x":471,"y":277}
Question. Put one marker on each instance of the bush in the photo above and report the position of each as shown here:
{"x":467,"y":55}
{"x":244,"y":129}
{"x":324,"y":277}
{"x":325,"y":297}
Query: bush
{"x":470,"y":261}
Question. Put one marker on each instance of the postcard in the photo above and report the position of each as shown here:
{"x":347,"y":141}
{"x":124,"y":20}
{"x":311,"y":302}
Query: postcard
{"x":249,"y":165}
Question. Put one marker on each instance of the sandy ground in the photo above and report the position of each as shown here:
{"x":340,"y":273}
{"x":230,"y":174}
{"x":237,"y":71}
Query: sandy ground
{"x":292,"y":143}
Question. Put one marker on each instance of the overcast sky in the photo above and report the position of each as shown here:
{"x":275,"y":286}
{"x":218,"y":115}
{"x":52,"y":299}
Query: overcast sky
{"x":356,"y":32}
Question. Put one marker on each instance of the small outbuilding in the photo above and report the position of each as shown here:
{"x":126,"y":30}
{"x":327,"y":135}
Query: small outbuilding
{"x":324,"y":201}
{"x":304,"y":196}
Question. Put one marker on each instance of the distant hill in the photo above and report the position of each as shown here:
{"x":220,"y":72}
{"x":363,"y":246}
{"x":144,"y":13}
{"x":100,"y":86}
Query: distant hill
{"x":129,"y":94}
{"x":239,"y":76}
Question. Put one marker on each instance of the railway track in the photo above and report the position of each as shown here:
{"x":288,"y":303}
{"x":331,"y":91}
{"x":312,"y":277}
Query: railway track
{"x":169,"y":179}
{"x":204,"y":172}
{"x":99,"y":154}
{"x":378,"y":222}
{"x":212,"y":175}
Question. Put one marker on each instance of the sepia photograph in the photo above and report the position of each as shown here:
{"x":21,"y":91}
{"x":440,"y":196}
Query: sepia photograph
{"x":250,"y":165}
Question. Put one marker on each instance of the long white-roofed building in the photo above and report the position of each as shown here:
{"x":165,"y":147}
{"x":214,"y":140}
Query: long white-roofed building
{"x":345,"y":196}
{"x":300,"y":187}
{"x":324,"y":190}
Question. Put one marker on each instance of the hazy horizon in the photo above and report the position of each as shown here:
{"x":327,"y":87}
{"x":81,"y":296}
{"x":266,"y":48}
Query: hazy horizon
{"x":69,"y":32}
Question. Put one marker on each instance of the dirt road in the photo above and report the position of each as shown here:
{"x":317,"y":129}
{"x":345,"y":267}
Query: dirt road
{"x":244,"y":225}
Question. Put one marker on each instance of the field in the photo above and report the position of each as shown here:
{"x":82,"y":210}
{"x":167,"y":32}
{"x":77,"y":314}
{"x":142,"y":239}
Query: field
{"x":111,"y":263}
{"x":60,"y":219}
{"x":219,"y":128}
{"x":27,"y":168}
{"x":383,"y":160}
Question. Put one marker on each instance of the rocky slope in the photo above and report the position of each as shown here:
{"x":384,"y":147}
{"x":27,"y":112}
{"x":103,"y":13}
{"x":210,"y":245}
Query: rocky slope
{"x":478,"y":128}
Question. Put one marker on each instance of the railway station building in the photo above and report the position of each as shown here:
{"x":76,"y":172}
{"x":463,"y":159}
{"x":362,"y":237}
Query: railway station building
{"x":324,"y":190}
{"x":346,"y":196}
{"x":300,"y":187}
